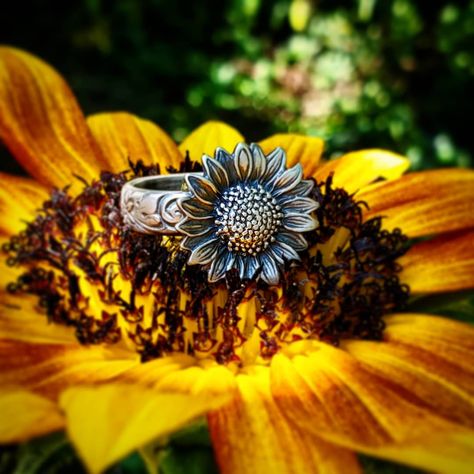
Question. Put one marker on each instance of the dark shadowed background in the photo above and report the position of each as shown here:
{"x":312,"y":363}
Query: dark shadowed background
{"x":393,"y":73}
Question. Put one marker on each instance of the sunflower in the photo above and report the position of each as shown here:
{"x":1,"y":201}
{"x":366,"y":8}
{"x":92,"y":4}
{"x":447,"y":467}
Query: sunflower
{"x":247,"y":212}
{"x":112,"y":336}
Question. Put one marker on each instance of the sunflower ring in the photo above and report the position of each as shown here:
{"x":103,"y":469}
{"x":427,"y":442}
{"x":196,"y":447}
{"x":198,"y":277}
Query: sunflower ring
{"x":245,"y":211}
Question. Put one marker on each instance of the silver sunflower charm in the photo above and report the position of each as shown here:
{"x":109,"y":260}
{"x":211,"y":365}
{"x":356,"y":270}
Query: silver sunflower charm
{"x":247,"y":211}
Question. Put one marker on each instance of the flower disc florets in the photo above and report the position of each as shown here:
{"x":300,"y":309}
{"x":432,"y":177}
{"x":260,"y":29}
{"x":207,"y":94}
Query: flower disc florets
{"x":90,"y":271}
{"x":248,"y":217}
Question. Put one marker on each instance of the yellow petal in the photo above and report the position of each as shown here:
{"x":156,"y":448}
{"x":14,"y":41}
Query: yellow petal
{"x":48,"y":369}
{"x":154,"y":371}
{"x":447,"y":453}
{"x":181,"y":373}
{"x":445,"y":386}
{"x":356,"y":170}
{"x":298,"y":148}
{"x":206,"y":138}
{"x":19,"y":320}
{"x":107,"y":423}
{"x":424,"y":203}
{"x":123,"y":136}
{"x":26,"y":415}
{"x":19,"y":199}
{"x":251,"y":435}
{"x":451,"y":339}
{"x":213,"y":380}
{"x":331,"y":394}
{"x":443,"y":264}
{"x":41,"y":122}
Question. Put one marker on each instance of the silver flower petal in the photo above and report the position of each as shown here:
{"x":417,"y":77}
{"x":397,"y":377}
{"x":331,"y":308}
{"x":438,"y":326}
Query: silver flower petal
{"x":249,"y":267}
{"x":275,"y":165}
{"x":260,"y":162}
{"x":204,"y":253}
{"x":202,"y":188}
{"x":226,"y":160}
{"x":195,"y":209}
{"x":194,"y":228}
{"x":302,"y":189}
{"x":222,"y":156}
{"x":299,"y":222}
{"x":216,"y":172}
{"x":191,"y":243}
{"x":270,"y":273}
{"x":277,"y":253}
{"x":243,"y":162}
{"x":294,"y":240}
{"x":289,"y":253}
{"x":302,"y":205}
{"x":288,"y":180}
{"x":220,"y":265}
{"x":239,"y":264}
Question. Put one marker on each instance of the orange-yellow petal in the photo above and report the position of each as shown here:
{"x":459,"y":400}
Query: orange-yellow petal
{"x":19,"y":320}
{"x":19,"y":199}
{"x":206,"y":138}
{"x":48,"y":369}
{"x":210,"y":380}
{"x":26,"y":415}
{"x":151,"y":373}
{"x":444,"y":386}
{"x":123,"y":136}
{"x":357,"y":169}
{"x":251,"y":435}
{"x":452,"y":340}
{"x":445,"y":263}
{"x":106,"y":423}
{"x":442,"y":452}
{"x":331,"y":394}
{"x":298,"y":148}
{"x":41,"y":122}
{"x":424,"y":203}
{"x":20,"y":317}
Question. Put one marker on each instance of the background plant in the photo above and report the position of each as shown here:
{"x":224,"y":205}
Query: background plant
{"x":395,"y":74}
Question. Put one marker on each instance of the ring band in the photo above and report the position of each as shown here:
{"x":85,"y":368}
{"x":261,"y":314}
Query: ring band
{"x":150,"y":205}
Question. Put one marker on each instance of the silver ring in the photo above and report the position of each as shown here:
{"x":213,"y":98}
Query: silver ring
{"x":245,"y":211}
{"x":150,"y":205}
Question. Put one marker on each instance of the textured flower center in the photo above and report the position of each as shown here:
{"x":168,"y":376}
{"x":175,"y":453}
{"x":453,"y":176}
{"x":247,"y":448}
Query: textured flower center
{"x":247,"y":218}
{"x":91,"y":272}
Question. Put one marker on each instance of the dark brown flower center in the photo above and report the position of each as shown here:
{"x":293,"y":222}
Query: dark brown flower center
{"x":91,"y":272}
{"x":248,"y":217}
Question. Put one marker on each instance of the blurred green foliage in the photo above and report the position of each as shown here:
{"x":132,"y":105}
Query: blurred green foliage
{"x":394,"y":73}
{"x":187,"y":452}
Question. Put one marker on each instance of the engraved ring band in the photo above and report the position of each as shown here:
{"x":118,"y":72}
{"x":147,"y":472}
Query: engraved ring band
{"x":150,"y":204}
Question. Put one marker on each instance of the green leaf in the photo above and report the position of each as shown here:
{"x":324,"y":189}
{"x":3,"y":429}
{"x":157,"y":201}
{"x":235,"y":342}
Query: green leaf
{"x":133,"y":464}
{"x":458,"y":305}
{"x":196,"y":434}
{"x":188,"y":451}
{"x":7,"y":458}
{"x":52,"y":454}
{"x":188,"y":460}
{"x":379,"y":466}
